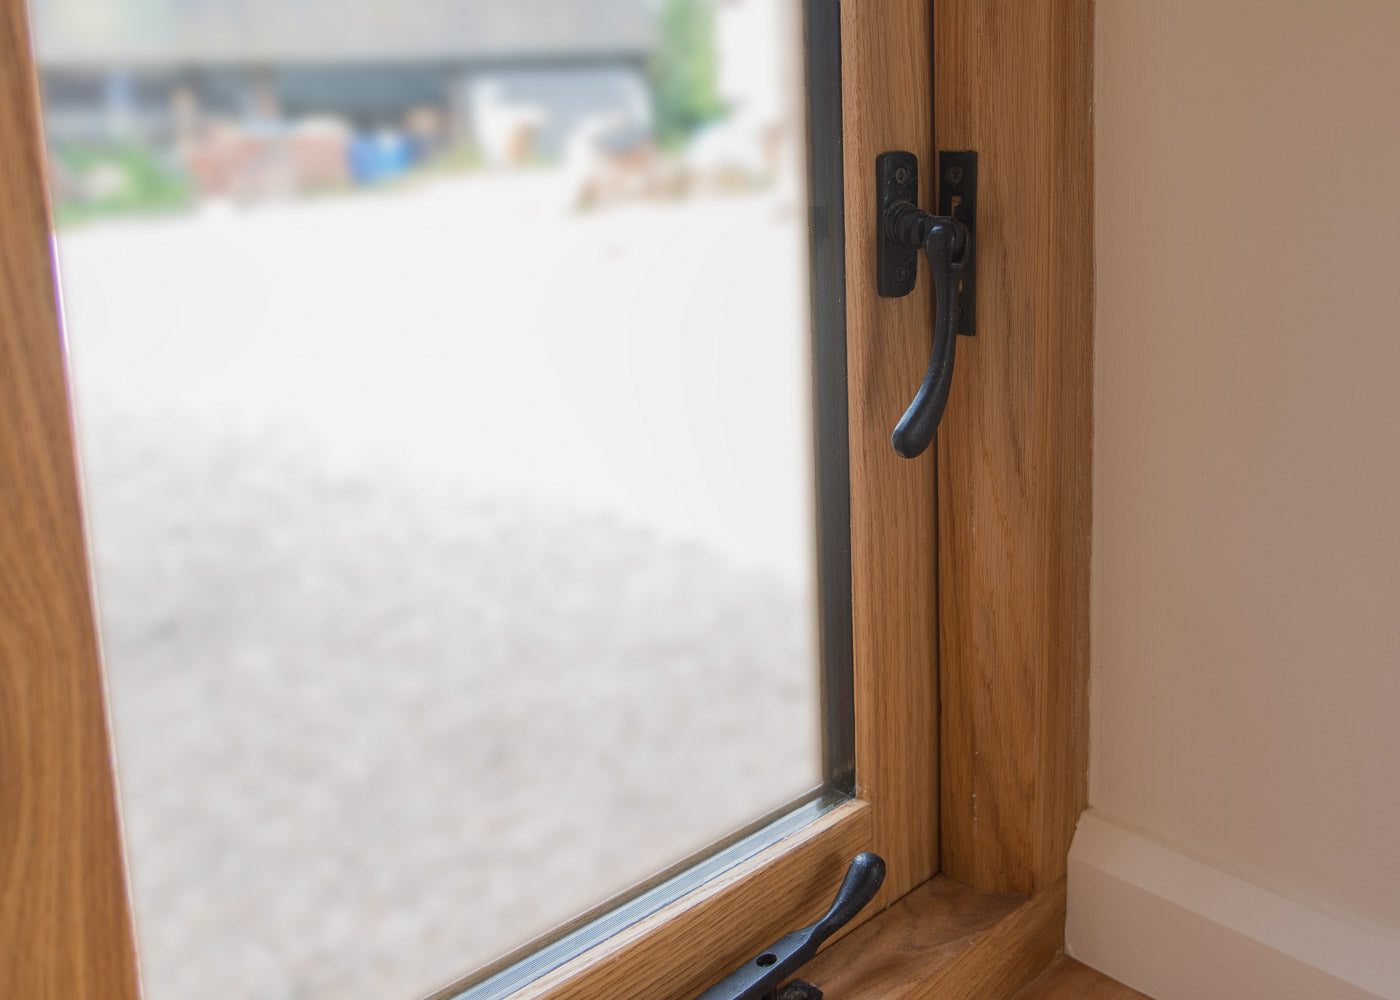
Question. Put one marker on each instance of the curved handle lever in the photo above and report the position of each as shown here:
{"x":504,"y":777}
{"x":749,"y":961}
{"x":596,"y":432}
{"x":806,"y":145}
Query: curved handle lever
{"x":948,"y":246}
{"x":761,"y":976}
{"x":946,"y":239}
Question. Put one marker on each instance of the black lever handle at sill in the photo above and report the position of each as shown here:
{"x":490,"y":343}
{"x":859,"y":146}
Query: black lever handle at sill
{"x":948,"y":246}
{"x":760,"y":977}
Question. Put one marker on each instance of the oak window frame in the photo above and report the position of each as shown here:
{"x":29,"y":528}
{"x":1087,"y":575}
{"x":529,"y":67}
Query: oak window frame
{"x":970,"y":697}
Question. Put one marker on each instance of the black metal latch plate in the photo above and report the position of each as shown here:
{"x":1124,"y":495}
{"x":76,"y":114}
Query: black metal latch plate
{"x":897,"y":180}
{"x":957,"y":197}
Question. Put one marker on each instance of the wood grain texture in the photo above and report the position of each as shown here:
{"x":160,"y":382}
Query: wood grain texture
{"x":64,"y":923}
{"x":945,"y":941}
{"x":680,"y":951}
{"x":885,"y":51}
{"x":1013,"y":81}
{"x":1009,"y":955}
{"x":1067,"y":979}
{"x":895,"y":954}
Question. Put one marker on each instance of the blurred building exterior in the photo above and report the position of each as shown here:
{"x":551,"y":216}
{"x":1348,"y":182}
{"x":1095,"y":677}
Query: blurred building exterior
{"x":503,"y":75}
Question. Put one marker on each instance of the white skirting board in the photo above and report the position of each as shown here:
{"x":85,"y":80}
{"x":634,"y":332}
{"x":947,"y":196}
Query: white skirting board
{"x":1176,"y":928}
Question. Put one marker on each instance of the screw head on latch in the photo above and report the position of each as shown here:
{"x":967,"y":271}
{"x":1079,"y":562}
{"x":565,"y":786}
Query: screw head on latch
{"x":901,"y":175}
{"x":954,"y":175}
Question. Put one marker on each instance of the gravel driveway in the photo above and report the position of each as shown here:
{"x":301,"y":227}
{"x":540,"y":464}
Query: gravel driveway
{"x":449,"y":581}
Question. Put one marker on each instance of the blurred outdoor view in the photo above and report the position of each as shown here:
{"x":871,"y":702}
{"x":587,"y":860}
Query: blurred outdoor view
{"x":442,"y":374}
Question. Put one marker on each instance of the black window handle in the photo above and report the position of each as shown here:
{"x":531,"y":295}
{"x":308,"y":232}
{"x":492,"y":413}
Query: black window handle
{"x":948,"y":245}
{"x":947,"y":242}
{"x":760,"y":977}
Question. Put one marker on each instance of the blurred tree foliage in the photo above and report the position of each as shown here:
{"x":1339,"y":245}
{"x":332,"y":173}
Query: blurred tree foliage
{"x":685,"y":70}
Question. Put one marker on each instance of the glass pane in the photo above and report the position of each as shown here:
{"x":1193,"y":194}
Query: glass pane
{"x":443,"y":377}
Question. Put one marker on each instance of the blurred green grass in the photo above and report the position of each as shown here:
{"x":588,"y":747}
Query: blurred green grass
{"x":101,"y":182}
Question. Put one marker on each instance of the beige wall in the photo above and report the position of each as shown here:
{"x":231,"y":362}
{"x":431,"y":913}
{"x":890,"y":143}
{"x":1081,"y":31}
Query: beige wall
{"x":1246,"y":696}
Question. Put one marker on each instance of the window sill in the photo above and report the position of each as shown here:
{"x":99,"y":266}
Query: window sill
{"x":945,"y":940}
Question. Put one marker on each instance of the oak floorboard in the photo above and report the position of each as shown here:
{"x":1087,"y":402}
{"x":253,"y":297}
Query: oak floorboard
{"x":1067,"y":979}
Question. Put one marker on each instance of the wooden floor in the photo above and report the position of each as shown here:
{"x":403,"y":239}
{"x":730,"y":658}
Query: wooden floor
{"x":1069,"y":979}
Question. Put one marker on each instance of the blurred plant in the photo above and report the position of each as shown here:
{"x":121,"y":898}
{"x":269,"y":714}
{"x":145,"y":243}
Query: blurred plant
{"x":459,"y":158}
{"x":93,"y":182}
{"x":685,"y":71}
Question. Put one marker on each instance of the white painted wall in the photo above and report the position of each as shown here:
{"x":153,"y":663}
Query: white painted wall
{"x":1246,"y":687}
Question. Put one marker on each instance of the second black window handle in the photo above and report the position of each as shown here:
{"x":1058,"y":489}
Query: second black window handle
{"x":760,"y":977}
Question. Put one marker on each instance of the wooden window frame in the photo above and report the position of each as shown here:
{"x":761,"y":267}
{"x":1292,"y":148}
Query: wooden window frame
{"x":970,"y":698}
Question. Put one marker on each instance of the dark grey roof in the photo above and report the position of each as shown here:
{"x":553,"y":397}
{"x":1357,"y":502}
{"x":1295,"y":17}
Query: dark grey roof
{"x":183,"y":32}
